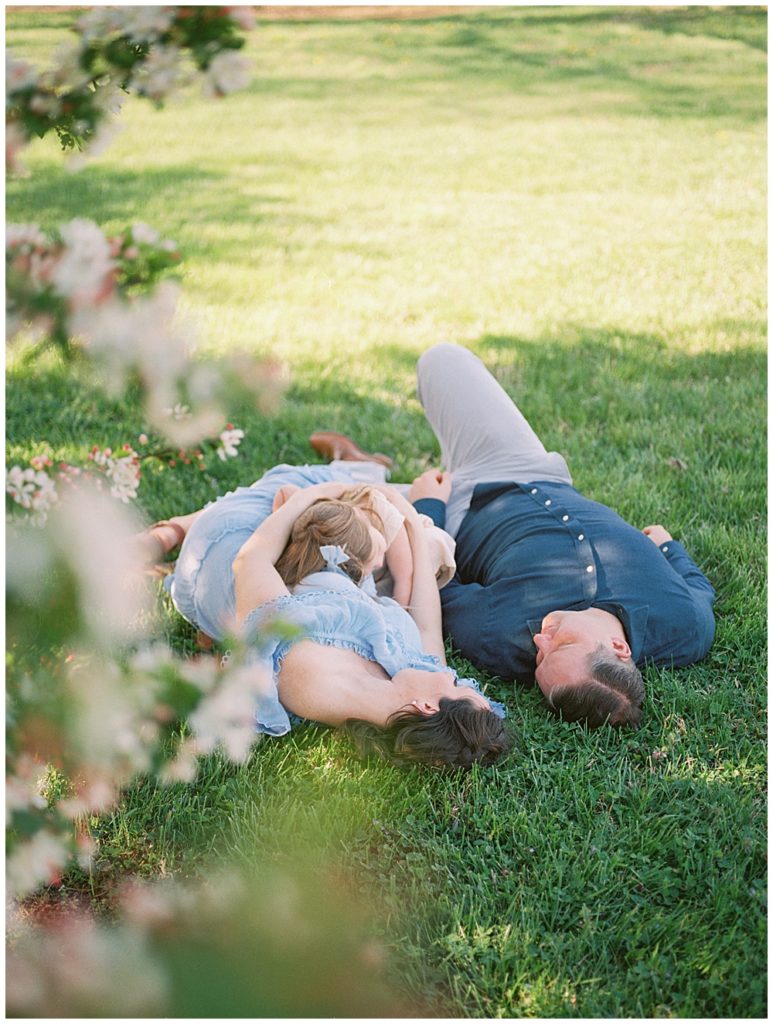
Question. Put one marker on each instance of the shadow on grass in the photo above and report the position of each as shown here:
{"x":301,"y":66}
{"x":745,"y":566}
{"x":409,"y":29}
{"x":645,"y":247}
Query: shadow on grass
{"x":105,"y":194}
{"x":625,"y":408}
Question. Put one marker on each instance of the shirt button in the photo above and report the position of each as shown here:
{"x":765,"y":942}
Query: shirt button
{"x":581,"y":536}
{"x":565,"y":519}
{"x":533,"y":490}
{"x":664,"y":549}
{"x":589,"y":568}
{"x":548,"y":502}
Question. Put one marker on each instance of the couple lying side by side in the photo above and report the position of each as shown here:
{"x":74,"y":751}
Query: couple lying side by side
{"x":547,"y":585}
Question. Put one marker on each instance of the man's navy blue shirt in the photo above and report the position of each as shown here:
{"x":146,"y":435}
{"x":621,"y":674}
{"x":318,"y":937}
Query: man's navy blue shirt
{"x":524,"y":550}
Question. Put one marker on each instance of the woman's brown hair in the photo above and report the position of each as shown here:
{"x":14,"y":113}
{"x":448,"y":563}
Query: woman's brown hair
{"x":458,"y":735}
{"x":327,"y":521}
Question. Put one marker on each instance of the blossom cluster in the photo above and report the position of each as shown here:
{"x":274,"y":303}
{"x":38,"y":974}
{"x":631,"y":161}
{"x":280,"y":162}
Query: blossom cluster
{"x":148,"y":51}
{"x":50,"y":279}
{"x":107,"y":704}
{"x":36,"y":489}
{"x":227,"y":945}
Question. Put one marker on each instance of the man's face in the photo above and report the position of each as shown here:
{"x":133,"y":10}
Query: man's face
{"x":564,"y":645}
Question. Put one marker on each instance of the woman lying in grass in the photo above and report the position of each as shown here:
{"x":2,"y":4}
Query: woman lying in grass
{"x":354,"y":661}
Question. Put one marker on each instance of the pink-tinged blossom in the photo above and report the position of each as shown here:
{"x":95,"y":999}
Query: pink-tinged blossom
{"x":38,"y":861}
{"x":230,"y":440}
{"x":19,"y":74}
{"x":16,"y":140}
{"x":80,"y":968}
{"x":243,"y":16}
{"x":228,"y":72}
{"x":82,"y":274}
{"x":143,"y":234}
{"x":24,"y":238}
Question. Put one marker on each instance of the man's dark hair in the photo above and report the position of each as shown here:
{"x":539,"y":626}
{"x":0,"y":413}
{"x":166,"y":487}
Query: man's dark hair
{"x":612,"y":693}
{"x":458,"y":735}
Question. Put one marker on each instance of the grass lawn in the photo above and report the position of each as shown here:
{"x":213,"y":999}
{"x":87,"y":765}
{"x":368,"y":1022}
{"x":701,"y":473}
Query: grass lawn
{"x":579,"y":196}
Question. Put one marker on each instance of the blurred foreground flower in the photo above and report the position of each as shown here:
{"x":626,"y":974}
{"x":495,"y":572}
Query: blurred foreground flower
{"x":276,"y":943}
{"x":149,"y":51}
{"x":37,"y":488}
{"x":112,"y":708}
{"x":99,"y":297}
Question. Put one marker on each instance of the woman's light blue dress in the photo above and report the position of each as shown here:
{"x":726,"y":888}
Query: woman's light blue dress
{"x":326,"y":607}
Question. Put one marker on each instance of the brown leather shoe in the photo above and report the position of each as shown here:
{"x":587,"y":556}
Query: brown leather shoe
{"x":338,"y":446}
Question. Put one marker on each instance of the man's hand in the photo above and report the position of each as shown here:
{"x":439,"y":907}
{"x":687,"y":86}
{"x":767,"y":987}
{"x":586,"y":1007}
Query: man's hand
{"x":657,"y":534}
{"x":433,"y":484}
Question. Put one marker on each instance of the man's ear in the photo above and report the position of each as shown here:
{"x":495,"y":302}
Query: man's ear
{"x":621,"y":648}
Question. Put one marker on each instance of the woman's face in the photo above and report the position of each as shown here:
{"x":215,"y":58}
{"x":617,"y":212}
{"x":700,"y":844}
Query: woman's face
{"x":425,"y":690}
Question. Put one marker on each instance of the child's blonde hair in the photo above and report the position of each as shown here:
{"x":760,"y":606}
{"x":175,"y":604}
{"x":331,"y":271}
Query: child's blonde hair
{"x":334,"y":521}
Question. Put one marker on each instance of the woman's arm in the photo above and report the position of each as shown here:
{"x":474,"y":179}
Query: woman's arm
{"x":255,"y":578}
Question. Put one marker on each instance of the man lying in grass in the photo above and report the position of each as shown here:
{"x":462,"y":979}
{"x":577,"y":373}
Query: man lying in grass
{"x":550,"y":585}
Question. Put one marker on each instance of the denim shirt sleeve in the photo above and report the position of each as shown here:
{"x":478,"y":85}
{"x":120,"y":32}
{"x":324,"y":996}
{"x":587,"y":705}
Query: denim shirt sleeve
{"x":703,"y":595}
{"x":434,"y":508}
{"x":681,"y":562}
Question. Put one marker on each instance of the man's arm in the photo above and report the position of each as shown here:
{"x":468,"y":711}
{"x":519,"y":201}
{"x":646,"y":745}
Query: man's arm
{"x":701,"y":591}
{"x":680,"y":561}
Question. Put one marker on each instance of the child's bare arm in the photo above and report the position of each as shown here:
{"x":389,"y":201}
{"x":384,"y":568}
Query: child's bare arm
{"x":399,"y":561}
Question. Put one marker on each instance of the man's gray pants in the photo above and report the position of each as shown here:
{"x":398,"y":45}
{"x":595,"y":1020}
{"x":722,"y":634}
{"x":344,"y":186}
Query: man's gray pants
{"x":483,"y":435}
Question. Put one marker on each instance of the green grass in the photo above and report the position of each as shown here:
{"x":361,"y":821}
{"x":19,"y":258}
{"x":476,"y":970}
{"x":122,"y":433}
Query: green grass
{"x":578,"y":195}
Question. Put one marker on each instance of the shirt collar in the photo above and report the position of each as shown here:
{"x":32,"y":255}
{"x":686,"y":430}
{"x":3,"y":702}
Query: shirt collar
{"x":634,"y":622}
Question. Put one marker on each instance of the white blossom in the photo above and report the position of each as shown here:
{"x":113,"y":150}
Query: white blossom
{"x":228,"y":72}
{"x":85,"y":969}
{"x":229,"y":442}
{"x":144,"y":23}
{"x":91,"y":532}
{"x":227,"y":715}
{"x":178,"y":412}
{"x":143,"y":234}
{"x":123,"y":473}
{"x":159,"y":74}
{"x":23,"y":787}
{"x":33,"y":489}
{"x":100,"y":22}
{"x":66,"y":70}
